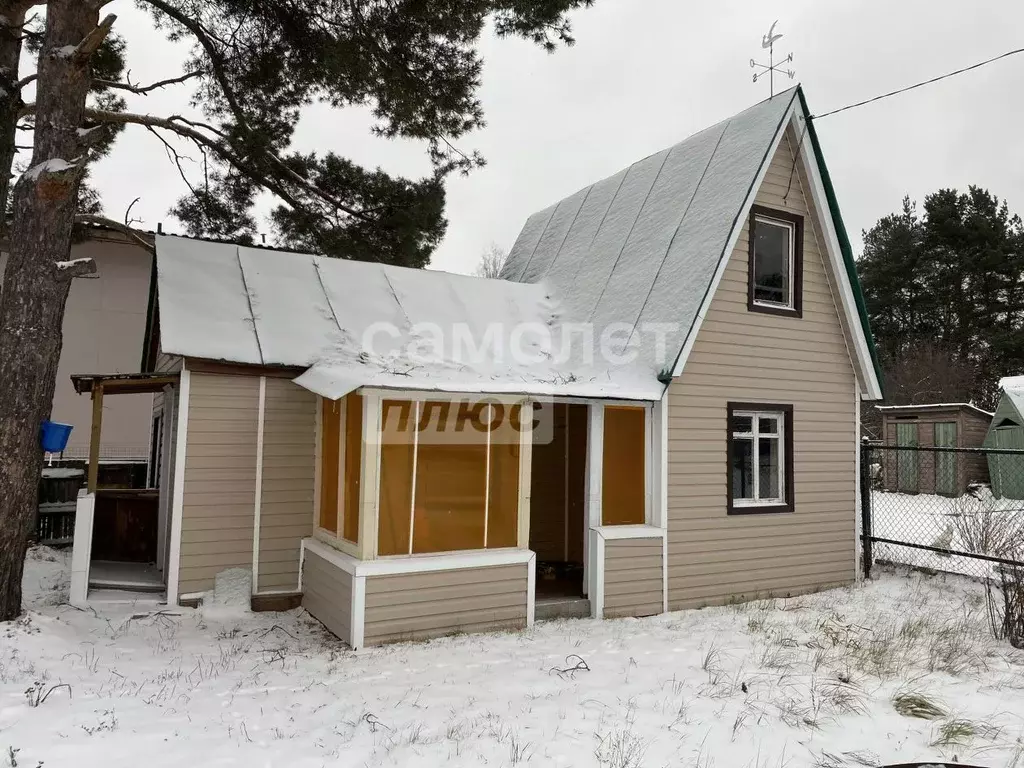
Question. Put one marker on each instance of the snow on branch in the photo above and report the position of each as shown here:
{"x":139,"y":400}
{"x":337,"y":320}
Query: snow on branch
{"x":75,"y":268}
{"x":54,"y":165}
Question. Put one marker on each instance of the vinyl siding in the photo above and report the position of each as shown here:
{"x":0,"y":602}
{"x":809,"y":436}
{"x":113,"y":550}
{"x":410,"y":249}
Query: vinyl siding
{"x":327,"y":594}
{"x":286,"y":502}
{"x":419,"y":606}
{"x":633,"y":577}
{"x":753,"y":357}
{"x":218,"y":506}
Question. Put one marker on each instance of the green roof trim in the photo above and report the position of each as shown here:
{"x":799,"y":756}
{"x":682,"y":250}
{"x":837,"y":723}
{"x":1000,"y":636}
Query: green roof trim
{"x":844,"y":239}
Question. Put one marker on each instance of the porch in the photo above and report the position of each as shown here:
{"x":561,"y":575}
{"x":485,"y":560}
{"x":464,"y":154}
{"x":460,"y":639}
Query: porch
{"x":121,"y":534}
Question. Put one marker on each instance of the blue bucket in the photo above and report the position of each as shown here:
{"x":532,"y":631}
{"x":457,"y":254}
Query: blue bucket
{"x":54,"y":436}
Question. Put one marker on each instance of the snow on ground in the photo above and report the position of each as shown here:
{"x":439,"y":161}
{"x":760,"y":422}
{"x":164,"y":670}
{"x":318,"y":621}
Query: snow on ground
{"x":808,"y":681}
{"x":976,"y":522}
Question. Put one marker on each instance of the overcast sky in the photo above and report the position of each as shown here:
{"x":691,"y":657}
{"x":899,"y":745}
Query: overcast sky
{"x":647,"y":73}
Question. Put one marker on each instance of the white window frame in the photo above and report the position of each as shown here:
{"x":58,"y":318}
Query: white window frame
{"x":755,"y":436}
{"x":790,"y":302}
{"x":335,"y":538}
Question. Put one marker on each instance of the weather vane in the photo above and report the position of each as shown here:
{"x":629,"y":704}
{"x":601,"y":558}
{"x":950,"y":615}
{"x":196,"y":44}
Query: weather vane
{"x":768,"y":41}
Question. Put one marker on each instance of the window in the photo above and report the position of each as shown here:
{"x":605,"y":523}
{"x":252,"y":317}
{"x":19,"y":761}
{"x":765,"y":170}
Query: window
{"x":760,"y":449}
{"x":623,"y":479}
{"x":776,"y":262}
{"x":341,"y":425}
{"x":449,"y":477}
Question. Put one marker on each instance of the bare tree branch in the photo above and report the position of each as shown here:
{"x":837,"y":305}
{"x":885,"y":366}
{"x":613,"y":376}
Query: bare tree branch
{"x":142,"y":90}
{"x":85,"y":49}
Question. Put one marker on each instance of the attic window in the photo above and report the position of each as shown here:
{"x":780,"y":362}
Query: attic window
{"x":776,"y":262}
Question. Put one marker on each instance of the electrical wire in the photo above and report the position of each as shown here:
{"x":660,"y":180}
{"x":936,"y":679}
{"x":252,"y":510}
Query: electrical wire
{"x":918,"y":85}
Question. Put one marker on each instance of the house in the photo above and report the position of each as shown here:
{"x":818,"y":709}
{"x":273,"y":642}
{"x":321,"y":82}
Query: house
{"x":933,"y":425}
{"x":656,"y":408}
{"x":104,"y":327}
{"x":1007,"y":433}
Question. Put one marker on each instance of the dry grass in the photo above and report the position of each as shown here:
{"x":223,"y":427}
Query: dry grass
{"x":917,"y":704}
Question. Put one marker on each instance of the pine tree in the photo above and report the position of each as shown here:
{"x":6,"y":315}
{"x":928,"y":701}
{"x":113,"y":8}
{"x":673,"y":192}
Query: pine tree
{"x":254,"y":65}
{"x":944,"y":294}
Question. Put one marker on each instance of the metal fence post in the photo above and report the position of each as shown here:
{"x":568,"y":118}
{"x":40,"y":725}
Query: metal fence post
{"x":865,"y":508}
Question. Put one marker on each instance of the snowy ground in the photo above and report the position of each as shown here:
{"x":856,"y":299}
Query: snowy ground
{"x":808,"y":681}
{"x":978,"y":523}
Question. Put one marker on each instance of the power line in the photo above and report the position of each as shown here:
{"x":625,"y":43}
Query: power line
{"x":918,"y":85}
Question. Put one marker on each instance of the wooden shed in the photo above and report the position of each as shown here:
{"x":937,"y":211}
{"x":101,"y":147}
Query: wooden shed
{"x":1007,"y":432}
{"x":933,"y":425}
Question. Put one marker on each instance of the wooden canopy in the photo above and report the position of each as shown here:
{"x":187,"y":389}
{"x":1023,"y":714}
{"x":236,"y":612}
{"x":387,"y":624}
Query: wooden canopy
{"x":114,"y":384}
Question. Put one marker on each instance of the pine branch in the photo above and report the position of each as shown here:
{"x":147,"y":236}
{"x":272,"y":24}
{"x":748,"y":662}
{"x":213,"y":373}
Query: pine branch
{"x":179,"y":125}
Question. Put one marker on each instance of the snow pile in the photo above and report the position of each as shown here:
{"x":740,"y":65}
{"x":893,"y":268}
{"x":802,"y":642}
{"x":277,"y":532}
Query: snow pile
{"x":230,"y":596}
{"x":809,"y":681}
{"x":1012,"y":383}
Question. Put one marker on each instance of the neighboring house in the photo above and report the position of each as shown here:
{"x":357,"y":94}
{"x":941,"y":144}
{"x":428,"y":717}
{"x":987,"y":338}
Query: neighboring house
{"x":699,"y":446}
{"x":933,"y":425}
{"x":104,"y":326}
{"x":1007,"y":432}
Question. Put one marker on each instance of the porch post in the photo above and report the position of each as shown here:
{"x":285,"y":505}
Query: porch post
{"x":94,"y":437}
{"x":369,"y":488}
{"x":594,"y":550}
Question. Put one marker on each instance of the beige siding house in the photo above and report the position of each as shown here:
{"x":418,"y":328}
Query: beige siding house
{"x":656,"y":407}
{"x":103,"y":331}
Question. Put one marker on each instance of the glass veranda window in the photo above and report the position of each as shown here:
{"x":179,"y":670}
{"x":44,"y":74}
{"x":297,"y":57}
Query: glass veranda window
{"x":341,"y":439}
{"x":773,"y":255}
{"x":758,"y":471}
{"x":449,"y":477}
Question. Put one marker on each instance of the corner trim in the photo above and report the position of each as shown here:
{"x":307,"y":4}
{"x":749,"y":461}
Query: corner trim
{"x":178,"y":494}
{"x":260,"y":413}
{"x":358,"y":617}
{"x":531,"y":590}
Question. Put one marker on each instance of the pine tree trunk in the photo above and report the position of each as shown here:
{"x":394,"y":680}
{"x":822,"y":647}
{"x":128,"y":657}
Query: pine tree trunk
{"x":10,"y":95}
{"x":38,"y":277}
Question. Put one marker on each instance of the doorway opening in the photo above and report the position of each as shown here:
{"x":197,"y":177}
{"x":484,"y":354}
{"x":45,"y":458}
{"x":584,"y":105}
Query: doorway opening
{"x":557,"y":507}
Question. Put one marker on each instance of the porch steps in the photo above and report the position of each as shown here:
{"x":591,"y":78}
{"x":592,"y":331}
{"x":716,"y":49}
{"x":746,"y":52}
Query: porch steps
{"x":548,"y":608}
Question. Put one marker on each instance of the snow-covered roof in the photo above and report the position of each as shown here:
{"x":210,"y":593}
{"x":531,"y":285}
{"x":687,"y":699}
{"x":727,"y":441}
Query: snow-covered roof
{"x":643,"y":246}
{"x":925,"y":406}
{"x":1013,"y":389}
{"x":355,"y":324}
{"x":614,"y":276}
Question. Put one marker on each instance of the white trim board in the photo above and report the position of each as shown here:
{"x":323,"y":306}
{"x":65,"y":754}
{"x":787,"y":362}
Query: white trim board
{"x":178,"y":494}
{"x":451,"y":561}
{"x":260,"y":414}
{"x":630,"y":532}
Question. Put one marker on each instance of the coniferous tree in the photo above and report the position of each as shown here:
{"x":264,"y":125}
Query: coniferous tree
{"x":254,"y":65}
{"x":945,"y":295}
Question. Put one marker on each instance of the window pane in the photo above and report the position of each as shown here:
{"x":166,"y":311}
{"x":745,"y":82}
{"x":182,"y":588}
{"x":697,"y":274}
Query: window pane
{"x":771,"y":262}
{"x":451,"y":478}
{"x":396,"y":452}
{"x":353,"y":465}
{"x":742,"y":424}
{"x":769,"y":464}
{"x":743,"y":468}
{"x":503,"y":501}
{"x":768,"y":425}
{"x":623,"y":489}
{"x":330,"y":455}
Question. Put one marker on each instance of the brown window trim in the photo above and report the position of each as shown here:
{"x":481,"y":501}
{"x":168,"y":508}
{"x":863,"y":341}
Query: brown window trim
{"x":787,"y":451}
{"x":797,"y":221}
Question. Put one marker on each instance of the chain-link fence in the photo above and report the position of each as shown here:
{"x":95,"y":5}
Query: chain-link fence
{"x":959,"y":510}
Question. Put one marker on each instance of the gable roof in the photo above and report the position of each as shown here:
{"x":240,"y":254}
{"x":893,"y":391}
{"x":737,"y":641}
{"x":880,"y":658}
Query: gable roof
{"x":1013,"y":393}
{"x":634,"y":259}
{"x":647,"y":245}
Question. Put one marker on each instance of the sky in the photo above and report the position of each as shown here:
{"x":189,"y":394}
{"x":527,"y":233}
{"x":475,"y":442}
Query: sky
{"x":645,"y":74}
